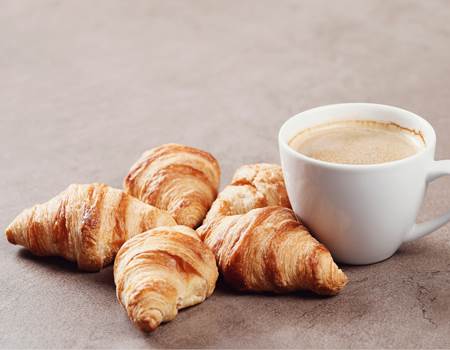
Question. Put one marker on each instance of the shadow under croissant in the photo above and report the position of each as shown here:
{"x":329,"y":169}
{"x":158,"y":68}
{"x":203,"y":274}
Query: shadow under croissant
{"x":304,"y":294}
{"x":57,"y":264}
{"x":106,"y":277}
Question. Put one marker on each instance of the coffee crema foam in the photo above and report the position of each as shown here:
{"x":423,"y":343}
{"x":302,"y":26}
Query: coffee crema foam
{"x":358,"y":142}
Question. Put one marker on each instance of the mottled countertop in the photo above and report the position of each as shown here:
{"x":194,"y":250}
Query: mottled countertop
{"x":86,"y":86}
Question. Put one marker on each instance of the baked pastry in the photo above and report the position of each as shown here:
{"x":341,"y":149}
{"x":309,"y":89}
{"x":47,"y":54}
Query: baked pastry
{"x":161,"y":271}
{"x":86,"y":224}
{"x":253,"y":186}
{"x":269,"y":250}
{"x":180,"y":179}
{"x":258,"y":242}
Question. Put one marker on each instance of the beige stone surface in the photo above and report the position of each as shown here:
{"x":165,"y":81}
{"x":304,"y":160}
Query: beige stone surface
{"x":86,"y":86}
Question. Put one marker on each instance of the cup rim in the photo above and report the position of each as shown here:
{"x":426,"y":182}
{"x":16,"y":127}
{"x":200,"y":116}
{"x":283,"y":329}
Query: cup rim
{"x":344,"y":166}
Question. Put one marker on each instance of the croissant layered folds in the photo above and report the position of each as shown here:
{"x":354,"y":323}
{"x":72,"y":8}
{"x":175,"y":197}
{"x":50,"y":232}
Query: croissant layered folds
{"x":162,"y":265}
{"x":258,"y":242}
{"x":86,"y":224}
{"x":182,"y":180}
{"x":267,"y":249}
{"x":253,"y":186}
{"x":161,"y":271}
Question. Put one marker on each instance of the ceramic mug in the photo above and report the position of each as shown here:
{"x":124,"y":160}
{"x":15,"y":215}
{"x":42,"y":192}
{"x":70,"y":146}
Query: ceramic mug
{"x":362,"y":213}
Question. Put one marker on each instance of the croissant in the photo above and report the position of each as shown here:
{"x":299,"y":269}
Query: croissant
{"x":85,"y":224}
{"x":180,"y":179}
{"x":253,"y":186}
{"x":161,"y":271}
{"x":267,"y":249}
{"x":258,"y":242}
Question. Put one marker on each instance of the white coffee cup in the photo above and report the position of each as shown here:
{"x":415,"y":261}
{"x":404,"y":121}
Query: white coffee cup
{"x":362,"y":213}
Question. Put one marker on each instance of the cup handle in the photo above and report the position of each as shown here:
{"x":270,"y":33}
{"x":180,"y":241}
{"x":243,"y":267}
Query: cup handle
{"x":438,"y":169}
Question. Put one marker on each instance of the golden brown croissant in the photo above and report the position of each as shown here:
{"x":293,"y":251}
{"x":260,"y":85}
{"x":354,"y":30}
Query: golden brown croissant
{"x":161,"y":271}
{"x":267,"y":249}
{"x":253,"y":186}
{"x":180,"y":179}
{"x":86,"y":224}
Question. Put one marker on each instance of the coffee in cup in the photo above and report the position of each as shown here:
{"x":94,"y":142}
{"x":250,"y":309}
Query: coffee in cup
{"x":358,"y":142}
{"x":363,"y":211}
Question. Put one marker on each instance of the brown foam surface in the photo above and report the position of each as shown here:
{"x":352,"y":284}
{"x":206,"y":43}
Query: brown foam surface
{"x":357,"y":142}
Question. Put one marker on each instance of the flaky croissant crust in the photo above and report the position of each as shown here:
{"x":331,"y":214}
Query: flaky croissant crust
{"x":180,"y":179}
{"x":268,"y":249}
{"x":258,"y":242}
{"x":86,"y":224}
{"x":161,"y":271}
{"x":253,"y":186}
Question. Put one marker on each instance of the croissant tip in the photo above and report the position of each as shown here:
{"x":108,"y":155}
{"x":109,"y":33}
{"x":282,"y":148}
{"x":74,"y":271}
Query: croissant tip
{"x":340,"y":283}
{"x":10,"y":236}
{"x":342,"y":280}
{"x":150,"y":322}
{"x":336,"y":279}
{"x":146,"y":326}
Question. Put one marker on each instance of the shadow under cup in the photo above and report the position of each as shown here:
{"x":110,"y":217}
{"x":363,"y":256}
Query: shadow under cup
{"x":362,"y":213}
